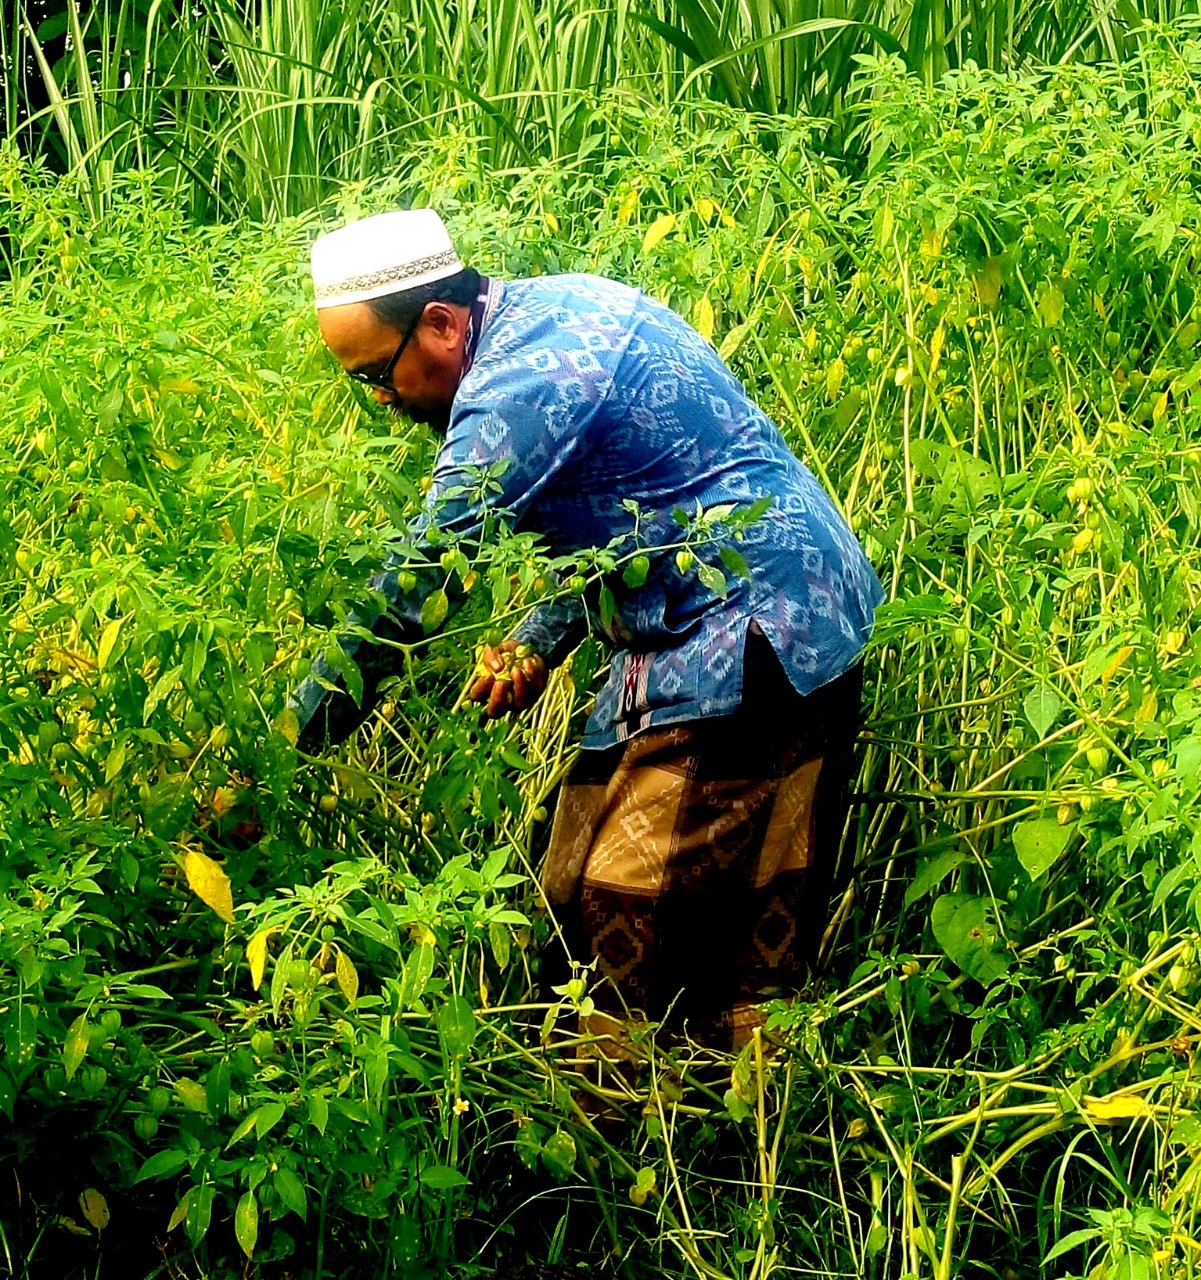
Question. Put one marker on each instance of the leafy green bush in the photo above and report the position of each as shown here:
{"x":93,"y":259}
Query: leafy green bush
{"x":294,"y":1006}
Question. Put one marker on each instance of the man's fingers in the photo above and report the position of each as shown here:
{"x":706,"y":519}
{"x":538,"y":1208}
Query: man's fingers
{"x":481,"y":688}
{"x":521,"y":697}
{"x":492,"y":659}
{"x":498,"y":700}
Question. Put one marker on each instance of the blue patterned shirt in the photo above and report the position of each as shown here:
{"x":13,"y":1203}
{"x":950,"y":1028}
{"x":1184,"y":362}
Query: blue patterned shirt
{"x":592,"y":394}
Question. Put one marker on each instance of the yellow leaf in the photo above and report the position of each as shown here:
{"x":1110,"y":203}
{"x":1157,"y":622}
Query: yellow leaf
{"x":1050,"y":304}
{"x":932,"y":242}
{"x":834,"y":376}
{"x":75,"y":1047}
{"x":94,"y":1207}
{"x":256,"y":955}
{"x":658,"y":231}
{"x":169,"y":458}
{"x":69,"y":1224}
{"x":1116,"y":663}
{"x":180,"y":386}
{"x":1099,"y":303}
{"x":552,"y":223}
{"x":988,"y":282}
{"x":209,"y":883}
{"x":1148,"y":709}
{"x":930,"y":293}
{"x":192,"y":1095}
{"x":1159,"y":410}
{"x":707,"y":208}
{"x":936,"y":348}
{"x":1124,"y":1107}
{"x":108,"y":640}
{"x":703,"y":318}
{"x":348,"y":977}
{"x":287,"y":725}
{"x":181,"y":1209}
{"x":886,"y":225}
{"x":628,"y":207}
{"x":246,"y":1223}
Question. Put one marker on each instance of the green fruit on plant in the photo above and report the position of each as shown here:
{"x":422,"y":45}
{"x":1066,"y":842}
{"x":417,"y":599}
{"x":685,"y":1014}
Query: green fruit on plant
{"x":1098,"y":759}
{"x":328,"y":802}
{"x":145,"y":1126}
{"x":92,"y":1079}
{"x":262,"y":1044}
{"x":577,"y":584}
{"x":298,"y":973}
{"x":158,"y":1099}
{"x":110,"y":1022}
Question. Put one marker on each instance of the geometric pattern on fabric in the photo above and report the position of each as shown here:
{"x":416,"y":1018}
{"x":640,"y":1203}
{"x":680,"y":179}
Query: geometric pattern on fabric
{"x":693,"y":863}
{"x":586,"y":396}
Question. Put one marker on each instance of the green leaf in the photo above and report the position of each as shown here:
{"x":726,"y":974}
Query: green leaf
{"x":199,"y":1212}
{"x":267,"y":1117}
{"x":75,"y":1046}
{"x":737,"y":1106}
{"x":291,"y":1192}
{"x":456,"y":1027}
{"x":1039,"y":842}
{"x":1073,"y":1240}
{"x":636,"y":572}
{"x":608,"y":608}
{"x":418,"y":969}
{"x":735,"y":563}
{"x":1042,"y":707}
{"x":318,"y":1111}
{"x":713,"y":579}
{"x":933,"y":872}
{"x":442,"y":1178}
{"x":965,"y":929}
{"x":434,"y":609}
{"x":162,"y":1165}
{"x":499,"y":939}
{"x":529,"y":1143}
{"x":558,"y":1155}
{"x":246,"y":1223}
{"x":242,"y":1130}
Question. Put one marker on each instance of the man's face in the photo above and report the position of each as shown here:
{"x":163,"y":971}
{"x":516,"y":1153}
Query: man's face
{"x":425,"y":378}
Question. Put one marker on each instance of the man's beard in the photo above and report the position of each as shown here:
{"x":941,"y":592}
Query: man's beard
{"x":434,"y":416}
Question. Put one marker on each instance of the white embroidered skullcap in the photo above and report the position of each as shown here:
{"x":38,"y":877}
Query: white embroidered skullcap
{"x":387,"y":253}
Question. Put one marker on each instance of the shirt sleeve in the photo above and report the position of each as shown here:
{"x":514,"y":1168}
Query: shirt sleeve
{"x":495,"y":462}
{"x":553,"y":629}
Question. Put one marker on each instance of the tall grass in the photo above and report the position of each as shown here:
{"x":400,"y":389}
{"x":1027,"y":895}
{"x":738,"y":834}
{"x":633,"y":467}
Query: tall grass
{"x":266,"y":106}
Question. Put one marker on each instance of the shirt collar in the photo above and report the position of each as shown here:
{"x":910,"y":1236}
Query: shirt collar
{"x":481,"y":313}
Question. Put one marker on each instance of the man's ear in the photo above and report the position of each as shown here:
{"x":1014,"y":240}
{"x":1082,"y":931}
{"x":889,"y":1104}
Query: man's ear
{"x":441,"y":321}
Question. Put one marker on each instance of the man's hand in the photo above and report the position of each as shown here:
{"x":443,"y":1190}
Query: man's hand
{"x":508,"y":676}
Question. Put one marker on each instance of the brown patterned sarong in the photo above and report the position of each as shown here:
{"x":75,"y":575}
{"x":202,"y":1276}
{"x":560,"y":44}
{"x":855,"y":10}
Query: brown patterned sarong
{"x":694,"y":862}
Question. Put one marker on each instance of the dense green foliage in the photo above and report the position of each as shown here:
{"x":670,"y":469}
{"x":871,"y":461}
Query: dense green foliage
{"x":266,"y":106}
{"x":986,"y":343}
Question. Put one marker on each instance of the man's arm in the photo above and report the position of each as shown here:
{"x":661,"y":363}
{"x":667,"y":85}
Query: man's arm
{"x":494,"y":464}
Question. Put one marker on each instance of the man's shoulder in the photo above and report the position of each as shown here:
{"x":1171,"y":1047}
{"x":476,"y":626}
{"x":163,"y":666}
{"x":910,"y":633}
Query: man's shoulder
{"x":574,"y":290}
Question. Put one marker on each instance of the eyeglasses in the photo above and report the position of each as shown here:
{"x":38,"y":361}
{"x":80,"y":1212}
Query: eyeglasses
{"x":384,"y":377}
